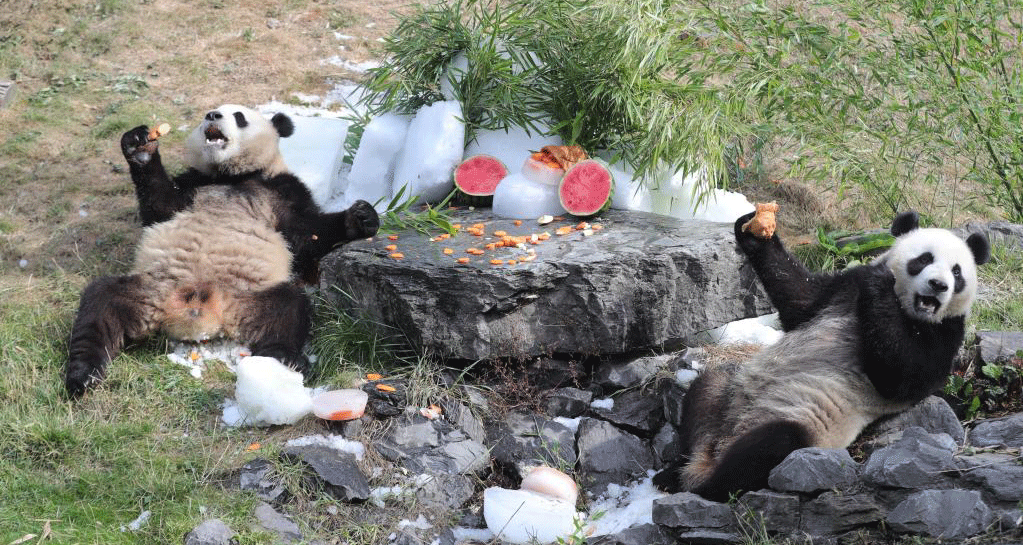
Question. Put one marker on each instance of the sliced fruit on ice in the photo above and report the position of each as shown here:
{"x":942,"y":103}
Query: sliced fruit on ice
{"x":477,"y":178}
{"x":587,"y":188}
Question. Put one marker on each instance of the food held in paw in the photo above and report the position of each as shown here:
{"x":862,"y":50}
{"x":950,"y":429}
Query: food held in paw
{"x":158,"y":131}
{"x":763,"y":223}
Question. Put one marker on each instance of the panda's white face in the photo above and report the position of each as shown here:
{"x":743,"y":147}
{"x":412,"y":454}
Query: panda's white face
{"x":935,"y":274}
{"x":233,"y":139}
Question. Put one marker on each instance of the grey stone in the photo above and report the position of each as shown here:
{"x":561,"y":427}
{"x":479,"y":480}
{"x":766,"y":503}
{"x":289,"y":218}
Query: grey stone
{"x":813,"y":470}
{"x":254,"y":477}
{"x":638,"y":411}
{"x":463,"y":418}
{"x":998,"y":346}
{"x":932,"y":414}
{"x":707,"y":537}
{"x":522,"y":439}
{"x":673,"y":397}
{"x":832,"y":513}
{"x":7,"y":89}
{"x":1003,"y":482}
{"x":211,"y":532}
{"x":644,"y":281}
{"x":271,"y":520}
{"x":690,"y":511}
{"x":642,"y":534}
{"x":445,"y":491}
{"x":568,"y":402}
{"x":467,"y":457}
{"x":667,"y":444}
{"x":947,"y":514}
{"x":779,"y":513}
{"x":999,"y":233}
{"x":338,"y":472}
{"x":917,"y":460}
{"x":1007,"y":432}
{"x":633,"y":373}
{"x":608,"y":454}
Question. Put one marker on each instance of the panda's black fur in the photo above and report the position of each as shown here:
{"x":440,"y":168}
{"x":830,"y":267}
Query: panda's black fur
{"x":224,"y":247}
{"x":859,"y":344}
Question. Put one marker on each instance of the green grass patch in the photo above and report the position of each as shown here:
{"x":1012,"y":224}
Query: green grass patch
{"x":1000,"y":306}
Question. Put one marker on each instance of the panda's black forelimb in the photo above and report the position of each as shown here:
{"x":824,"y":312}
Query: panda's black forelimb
{"x":111,"y":311}
{"x":796,"y":292}
{"x":747,"y":463}
{"x":158,"y":195}
{"x":276,"y":323}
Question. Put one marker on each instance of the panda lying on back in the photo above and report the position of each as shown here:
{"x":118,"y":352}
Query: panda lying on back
{"x":866,"y":342}
{"x":223,"y":245}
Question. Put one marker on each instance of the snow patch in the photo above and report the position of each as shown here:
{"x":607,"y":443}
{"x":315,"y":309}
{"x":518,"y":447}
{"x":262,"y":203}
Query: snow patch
{"x":335,"y":442}
{"x":623,"y":507}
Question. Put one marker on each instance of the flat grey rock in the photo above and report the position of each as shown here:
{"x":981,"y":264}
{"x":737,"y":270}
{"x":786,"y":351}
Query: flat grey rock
{"x":338,"y":472}
{"x":814,"y":470}
{"x":998,"y":432}
{"x":632,"y":373}
{"x":271,"y":520}
{"x":608,"y":454}
{"x":832,"y":513}
{"x":638,"y":411}
{"x":211,"y":532}
{"x":947,"y":514}
{"x":779,"y":513}
{"x":998,"y":346}
{"x":522,"y":439}
{"x":643,"y":281}
{"x":568,"y":402}
{"x":643,"y":534}
{"x":917,"y":460}
{"x":932,"y":414}
{"x":689,"y":511}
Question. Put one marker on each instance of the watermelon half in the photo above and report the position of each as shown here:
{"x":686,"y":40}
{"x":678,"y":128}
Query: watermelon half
{"x":477,"y":178}
{"x":587,"y":188}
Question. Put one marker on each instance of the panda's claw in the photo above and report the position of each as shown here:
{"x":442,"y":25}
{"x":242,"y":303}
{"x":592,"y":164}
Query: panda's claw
{"x":136,"y":146}
{"x":362,"y":221}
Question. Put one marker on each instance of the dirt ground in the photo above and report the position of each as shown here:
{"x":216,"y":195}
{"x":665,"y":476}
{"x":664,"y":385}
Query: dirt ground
{"x":85,"y":71}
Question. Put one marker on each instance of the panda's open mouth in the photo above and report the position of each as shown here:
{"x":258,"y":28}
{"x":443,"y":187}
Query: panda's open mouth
{"x":926,"y":304}
{"x":214,"y":137}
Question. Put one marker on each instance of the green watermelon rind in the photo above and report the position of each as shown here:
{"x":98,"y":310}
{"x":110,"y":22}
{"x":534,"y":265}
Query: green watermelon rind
{"x":567,"y":179}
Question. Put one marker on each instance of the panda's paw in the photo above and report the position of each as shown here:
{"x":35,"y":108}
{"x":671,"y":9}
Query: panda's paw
{"x":361,"y":221}
{"x":748,"y":242}
{"x":79,"y":376}
{"x":136,"y":146}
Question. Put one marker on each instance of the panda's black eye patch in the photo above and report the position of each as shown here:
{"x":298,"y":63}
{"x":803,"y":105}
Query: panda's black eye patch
{"x":239,"y":118}
{"x":919,"y":263}
{"x":960,"y":283}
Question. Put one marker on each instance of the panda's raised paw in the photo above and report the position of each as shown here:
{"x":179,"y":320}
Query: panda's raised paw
{"x":748,"y":242}
{"x":362,"y":221}
{"x":136,"y":145}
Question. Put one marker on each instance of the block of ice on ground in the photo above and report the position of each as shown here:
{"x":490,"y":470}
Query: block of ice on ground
{"x":630,"y":194}
{"x":624,"y":507}
{"x":520,"y":516}
{"x":675,"y":198}
{"x":456,"y":70}
{"x":270,"y":393}
{"x":433,"y":147}
{"x":372,"y":172}
{"x":763,"y":330}
{"x":314,"y":153}
{"x":512,"y":147}
{"x":519,"y":198}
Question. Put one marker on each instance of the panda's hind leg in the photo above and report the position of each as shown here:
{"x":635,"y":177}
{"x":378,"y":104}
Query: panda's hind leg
{"x":112,"y":309}
{"x":746,"y":464}
{"x":275,"y":322}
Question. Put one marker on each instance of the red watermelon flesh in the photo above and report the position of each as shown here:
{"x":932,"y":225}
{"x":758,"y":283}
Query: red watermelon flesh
{"x":586,"y":188}
{"x":479,"y":175}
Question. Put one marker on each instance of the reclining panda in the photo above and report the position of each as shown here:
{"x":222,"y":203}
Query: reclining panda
{"x":224,"y":244}
{"x":860,"y":344}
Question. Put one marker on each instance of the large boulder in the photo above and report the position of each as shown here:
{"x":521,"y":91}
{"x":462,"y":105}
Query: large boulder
{"x":642,"y":281}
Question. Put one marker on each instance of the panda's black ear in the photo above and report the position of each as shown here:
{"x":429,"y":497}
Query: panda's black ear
{"x":283,"y":124}
{"x":904,"y":223}
{"x":980,"y":247}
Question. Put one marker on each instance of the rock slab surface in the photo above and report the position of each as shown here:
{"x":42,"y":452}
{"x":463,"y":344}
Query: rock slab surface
{"x":641,"y":281}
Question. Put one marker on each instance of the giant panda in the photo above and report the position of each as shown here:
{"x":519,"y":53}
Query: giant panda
{"x":224,"y":246}
{"x":866,"y":342}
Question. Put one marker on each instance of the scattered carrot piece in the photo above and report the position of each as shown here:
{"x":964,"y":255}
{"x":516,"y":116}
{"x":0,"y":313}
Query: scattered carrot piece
{"x":456,"y":226}
{"x":391,"y":247}
{"x":500,"y":234}
{"x":517,"y":223}
{"x":386,"y":388}
{"x":374,"y":376}
{"x":392,"y":237}
{"x":563,"y":230}
{"x":448,"y":251}
{"x":597,"y":227}
{"x":398,"y":255}
{"x":478,"y":226}
{"x":252,"y":447}
{"x":463,"y":260}
{"x":497,"y":262}
{"x":194,"y":355}
{"x":490,"y":246}
{"x":443,"y":236}
{"x":582,"y":225}
{"x":511,"y":262}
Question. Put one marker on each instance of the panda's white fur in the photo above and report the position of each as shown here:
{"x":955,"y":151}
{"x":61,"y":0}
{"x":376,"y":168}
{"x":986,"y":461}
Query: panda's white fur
{"x":952,"y":263}
{"x":218,"y":144}
{"x":859,"y":344}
